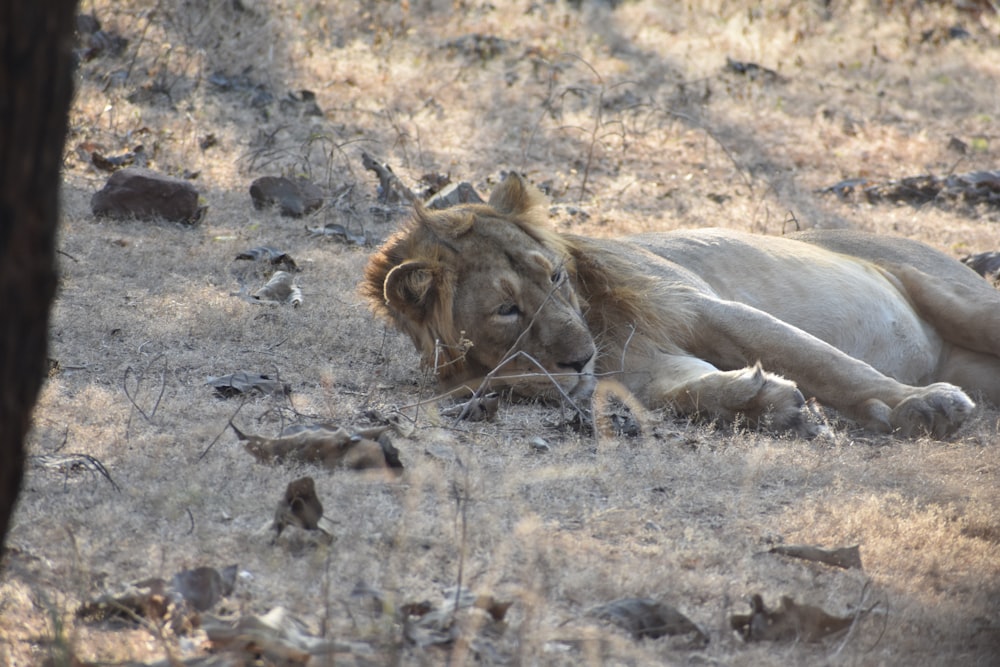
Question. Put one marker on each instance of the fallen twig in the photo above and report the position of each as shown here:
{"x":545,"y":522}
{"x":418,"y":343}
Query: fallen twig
{"x":389,"y":183}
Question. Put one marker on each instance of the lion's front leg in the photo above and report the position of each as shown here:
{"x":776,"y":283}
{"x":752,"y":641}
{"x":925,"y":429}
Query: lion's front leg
{"x":694,"y":387}
{"x":736,"y":333}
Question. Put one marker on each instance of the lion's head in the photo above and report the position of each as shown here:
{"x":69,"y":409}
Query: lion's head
{"x":483,"y":288}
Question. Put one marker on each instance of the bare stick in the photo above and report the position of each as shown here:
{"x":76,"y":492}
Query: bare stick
{"x":858,"y":614}
{"x":142,"y":38}
{"x":388,"y":181}
{"x":462,"y":501}
{"x":628,"y":341}
{"x":228,"y":424}
{"x":138,"y":383}
{"x":163,"y":388}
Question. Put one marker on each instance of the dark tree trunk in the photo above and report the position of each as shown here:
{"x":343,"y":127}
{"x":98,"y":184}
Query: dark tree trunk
{"x":36,"y":40}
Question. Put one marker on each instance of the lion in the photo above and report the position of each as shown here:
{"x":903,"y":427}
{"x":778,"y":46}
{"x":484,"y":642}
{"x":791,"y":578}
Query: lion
{"x":714,"y":324}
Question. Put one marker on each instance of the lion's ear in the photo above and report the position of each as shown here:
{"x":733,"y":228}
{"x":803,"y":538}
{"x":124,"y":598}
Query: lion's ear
{"x":414,"y":289}
{"x":447,"y":223}
{"x":515,"y":196}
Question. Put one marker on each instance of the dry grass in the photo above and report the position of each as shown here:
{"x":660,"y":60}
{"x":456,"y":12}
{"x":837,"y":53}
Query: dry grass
{"x":624,"y":113}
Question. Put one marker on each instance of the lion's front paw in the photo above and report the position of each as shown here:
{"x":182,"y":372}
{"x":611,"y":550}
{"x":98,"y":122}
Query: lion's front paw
{"x":937,"y":409}
{"x":780,"y":407}
{"x":763,"y":399}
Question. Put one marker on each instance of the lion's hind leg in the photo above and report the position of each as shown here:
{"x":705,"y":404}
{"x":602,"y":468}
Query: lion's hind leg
{"x":976,"y":372}
{"x":964,"y":310}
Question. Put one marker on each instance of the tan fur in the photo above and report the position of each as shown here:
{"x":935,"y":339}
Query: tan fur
{"x":712,"y":323}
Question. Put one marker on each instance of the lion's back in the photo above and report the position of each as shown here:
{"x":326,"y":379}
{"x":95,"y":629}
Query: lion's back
{"x":818,"y":287}
{"x":889,"y":250}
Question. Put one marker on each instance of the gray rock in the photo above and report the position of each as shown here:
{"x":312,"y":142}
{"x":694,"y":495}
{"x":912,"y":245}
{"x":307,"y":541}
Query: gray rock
{"x":146,"y":195}
{"x":454,"y":194}
{"x":294,"y":198}
{"x":986,"y":264}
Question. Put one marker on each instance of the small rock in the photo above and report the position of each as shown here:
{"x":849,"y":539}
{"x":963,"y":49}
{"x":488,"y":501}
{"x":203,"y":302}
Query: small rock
{"x":643,"y":617}
{"x":986,"y":264}
{"x":208,"y":141}
{"x":304,"y":102}
{"x":101,"y":42}
{"x":539,"y":444}
{"x":294,"y":198}
{"x":87,"y":24}
{"x":146,"y":195}
{"x":957,"y":145}
{"x":441,"y":453}
{"x":454,"y":194}
{"x":479,"y":46}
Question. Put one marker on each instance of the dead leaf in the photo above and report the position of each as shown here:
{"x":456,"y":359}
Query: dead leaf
{"x":300,"y":506}
{"x":68,"y":464}
{"x":327,"y":447}
{"x":271,"y":256}
{"x":846,"y":557}
{"x":789,"y":622}
{"x":147,"y":599}
{"x":643,"y":617}
{"x":278,"y":637}
{"x":175,"y":603}
{"x":280,"y":289}
{"x":476,"y":409}
{"x":479,"y":46}
{"x":753,"y":71}
{"x":136,"y":156}
{"x":244,"y":382}
{"x":425,"y":624}
{"x":400,"y":424}
{"x":341,"y":233}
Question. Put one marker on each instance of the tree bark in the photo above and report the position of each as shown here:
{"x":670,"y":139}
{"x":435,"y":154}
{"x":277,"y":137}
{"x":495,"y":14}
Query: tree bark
{"x":36,"y":41}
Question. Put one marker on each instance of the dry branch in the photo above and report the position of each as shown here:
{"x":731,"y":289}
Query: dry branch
{"x":845,"y":558}
{"x":390,"y":187}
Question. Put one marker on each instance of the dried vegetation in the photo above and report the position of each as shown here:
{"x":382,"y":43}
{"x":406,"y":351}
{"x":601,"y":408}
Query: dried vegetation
{"x":500,"y":538}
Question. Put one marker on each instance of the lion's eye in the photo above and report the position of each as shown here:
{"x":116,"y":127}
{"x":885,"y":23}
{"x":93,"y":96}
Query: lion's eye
{"x":558,"y":276}
{"x":508,"y":309}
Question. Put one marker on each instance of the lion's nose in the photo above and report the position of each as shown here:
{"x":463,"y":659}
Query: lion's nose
{"x":578,"y":365}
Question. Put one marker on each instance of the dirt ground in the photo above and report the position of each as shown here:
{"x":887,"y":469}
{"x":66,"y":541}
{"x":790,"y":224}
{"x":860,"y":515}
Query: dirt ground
{"x":632,"y":116}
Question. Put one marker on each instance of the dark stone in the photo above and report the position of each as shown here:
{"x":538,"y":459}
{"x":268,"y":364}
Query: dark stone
{"x":294,"y":198}
{"x":87,"y":24}
{"x":986,"y":264}
{"x":146,"y":195}
{"x":454,"y":194}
